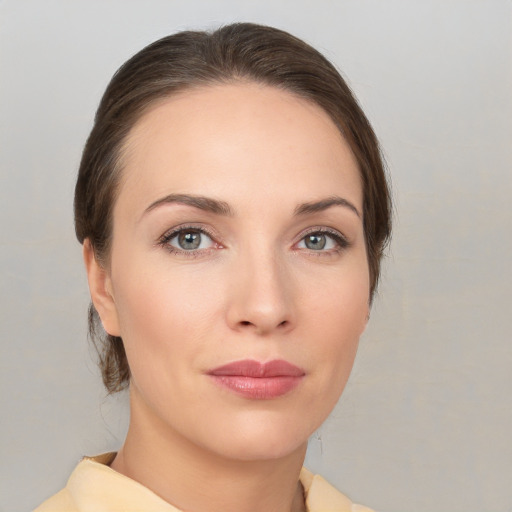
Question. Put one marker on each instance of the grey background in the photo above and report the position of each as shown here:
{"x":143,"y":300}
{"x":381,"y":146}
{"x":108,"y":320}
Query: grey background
{"x":426,"y":420}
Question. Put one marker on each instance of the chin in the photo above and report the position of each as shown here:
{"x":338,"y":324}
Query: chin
{"x":262,"y":449}
{"x":260,"y":439}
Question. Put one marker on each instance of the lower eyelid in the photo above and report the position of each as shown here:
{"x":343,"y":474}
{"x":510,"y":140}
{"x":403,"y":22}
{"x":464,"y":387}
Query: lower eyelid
{"x":337,"y":238}
{"x":171,"y":235}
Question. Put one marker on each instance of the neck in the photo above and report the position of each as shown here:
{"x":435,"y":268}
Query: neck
{"x":195,"y":479}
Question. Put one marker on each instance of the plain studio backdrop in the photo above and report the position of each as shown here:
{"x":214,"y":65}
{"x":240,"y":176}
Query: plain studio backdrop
{"x":425,"y":423}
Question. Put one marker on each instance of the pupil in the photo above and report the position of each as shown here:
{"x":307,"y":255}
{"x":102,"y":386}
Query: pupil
{"x":189,"y":240}
{"x":315,"y":242}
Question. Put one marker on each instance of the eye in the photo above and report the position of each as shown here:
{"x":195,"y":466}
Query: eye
{"x":323,"y":241}
{"x":187,"y":240}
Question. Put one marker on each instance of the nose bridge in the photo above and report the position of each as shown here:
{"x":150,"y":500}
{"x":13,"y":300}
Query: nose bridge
{"x":261,"y":298}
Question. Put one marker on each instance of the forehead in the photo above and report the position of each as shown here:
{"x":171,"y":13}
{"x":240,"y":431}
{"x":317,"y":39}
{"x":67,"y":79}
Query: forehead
{"x":232,"y":138}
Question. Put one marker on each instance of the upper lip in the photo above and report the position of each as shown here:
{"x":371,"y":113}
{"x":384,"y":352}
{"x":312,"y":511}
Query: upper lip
{"x":255,"y":369}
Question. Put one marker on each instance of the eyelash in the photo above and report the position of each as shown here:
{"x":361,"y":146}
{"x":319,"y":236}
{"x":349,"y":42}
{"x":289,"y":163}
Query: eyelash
{"x":169,"y":235}
{"x":341,"y":242}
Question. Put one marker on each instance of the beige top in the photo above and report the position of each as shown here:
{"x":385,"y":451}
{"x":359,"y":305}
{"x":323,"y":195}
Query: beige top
{"x":95,"y":487}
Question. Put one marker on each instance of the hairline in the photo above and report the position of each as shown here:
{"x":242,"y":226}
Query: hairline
{"x":122,"y":152}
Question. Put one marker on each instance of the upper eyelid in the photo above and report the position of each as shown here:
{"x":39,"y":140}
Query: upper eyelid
{"x":192,"y":226}
{"x":172,"y":232}
{"x":325,"y":230}
{"x":321,"y":229}
{"x":337,"y":236}
{"x":164,"y":241}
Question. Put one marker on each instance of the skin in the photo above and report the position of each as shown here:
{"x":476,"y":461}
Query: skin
{"x":252,"y":290}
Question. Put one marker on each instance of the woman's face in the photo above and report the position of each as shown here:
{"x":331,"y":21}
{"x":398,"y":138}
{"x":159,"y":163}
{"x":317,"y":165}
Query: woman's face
{"x":238,"y":271}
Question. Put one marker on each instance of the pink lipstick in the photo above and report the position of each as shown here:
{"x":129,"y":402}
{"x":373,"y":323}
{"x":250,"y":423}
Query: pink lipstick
{"x":258,"y":381}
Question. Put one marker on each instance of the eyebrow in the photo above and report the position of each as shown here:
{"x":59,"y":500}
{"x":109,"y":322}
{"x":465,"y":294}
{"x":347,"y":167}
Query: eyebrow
{"x":202,"y":203}
{"x":324,"y":204}
{"x":222,"y":208}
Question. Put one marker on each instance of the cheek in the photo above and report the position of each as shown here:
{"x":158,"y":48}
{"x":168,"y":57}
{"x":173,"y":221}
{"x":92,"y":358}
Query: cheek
{"x":340,"y":301}
{"x":163,"y":314}
{"x":339,"y":316}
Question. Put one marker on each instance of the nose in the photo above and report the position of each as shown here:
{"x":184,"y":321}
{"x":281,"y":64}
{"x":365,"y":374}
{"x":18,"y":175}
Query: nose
{"x":261,"y":297}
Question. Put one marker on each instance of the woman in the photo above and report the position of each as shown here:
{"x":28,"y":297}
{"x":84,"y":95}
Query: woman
{"x":233,"y":210}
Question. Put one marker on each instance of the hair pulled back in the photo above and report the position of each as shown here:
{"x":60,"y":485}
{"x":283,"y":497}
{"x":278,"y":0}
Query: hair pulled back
{"x":237,"y":52}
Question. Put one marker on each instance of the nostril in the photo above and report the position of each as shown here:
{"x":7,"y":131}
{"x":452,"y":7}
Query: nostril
{"x":264,"y":325}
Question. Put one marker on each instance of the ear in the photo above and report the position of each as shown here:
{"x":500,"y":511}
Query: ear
{"x":100,"y":287}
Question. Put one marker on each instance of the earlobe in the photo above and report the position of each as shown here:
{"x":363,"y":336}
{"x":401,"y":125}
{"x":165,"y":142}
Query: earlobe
{"x":100,"y":287}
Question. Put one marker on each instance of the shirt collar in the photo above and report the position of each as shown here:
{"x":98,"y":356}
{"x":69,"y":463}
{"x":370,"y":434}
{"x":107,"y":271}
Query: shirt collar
{"x":93,"y":485}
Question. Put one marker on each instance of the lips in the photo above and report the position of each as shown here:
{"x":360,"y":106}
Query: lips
{"x":258,"y":381}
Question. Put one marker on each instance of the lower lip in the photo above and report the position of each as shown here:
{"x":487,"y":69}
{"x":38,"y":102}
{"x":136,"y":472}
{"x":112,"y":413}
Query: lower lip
{"x":258,"y":388}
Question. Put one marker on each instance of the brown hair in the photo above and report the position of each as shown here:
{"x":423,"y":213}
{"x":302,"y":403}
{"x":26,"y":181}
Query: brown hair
{"x":242,"y":51}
